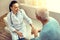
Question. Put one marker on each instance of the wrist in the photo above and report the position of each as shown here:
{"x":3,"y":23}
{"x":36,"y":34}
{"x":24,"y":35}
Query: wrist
{"x":16,"y":31}
{"x":32,"y":26}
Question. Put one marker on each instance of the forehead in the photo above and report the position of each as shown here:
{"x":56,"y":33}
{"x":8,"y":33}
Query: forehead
{"x":16,"y":5}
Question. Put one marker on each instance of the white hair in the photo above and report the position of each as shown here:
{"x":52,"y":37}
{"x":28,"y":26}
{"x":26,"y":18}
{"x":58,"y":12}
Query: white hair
{"x":43,"y":13}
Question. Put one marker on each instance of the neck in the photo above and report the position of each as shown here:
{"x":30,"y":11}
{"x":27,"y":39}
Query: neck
{"x":44,"y":21}
{"x":14,"y":13}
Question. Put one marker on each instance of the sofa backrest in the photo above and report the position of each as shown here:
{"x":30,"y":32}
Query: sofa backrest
{"x":30,"y":10}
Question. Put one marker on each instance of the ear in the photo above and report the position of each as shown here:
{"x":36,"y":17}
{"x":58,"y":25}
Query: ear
{"x":11,"y":8}
{"x":38,"y":17}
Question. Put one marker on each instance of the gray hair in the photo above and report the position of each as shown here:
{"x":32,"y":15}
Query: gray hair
{"x":43,"y":13}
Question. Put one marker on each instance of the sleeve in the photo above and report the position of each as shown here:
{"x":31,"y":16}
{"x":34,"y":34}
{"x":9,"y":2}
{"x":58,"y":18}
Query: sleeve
{"x":26,"y":17}
{"x":44,"y":36}
{"x":9,"y":23}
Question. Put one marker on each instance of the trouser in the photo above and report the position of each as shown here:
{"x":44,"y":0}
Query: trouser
{"x":21,"y":39}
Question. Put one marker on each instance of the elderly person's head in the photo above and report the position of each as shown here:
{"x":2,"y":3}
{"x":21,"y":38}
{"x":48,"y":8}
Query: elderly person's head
{"x":42,"y":15}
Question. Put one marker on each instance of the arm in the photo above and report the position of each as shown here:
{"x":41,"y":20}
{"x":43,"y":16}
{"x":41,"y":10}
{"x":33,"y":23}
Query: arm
{"x":33,"y":30}
{"x":27,"y":18}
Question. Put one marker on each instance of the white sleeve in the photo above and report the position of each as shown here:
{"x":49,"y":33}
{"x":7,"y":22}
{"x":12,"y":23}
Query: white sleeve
{"x":11,"y":28}
{"x":26,"y":17}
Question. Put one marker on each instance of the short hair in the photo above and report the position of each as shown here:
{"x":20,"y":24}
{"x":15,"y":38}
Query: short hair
{"x":43,"y":13}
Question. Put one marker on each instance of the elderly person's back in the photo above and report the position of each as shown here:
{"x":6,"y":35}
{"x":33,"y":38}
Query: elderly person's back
{"x":51,"y":28}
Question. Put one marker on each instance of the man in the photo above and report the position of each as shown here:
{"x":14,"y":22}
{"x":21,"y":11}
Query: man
{"x":51,"y":28}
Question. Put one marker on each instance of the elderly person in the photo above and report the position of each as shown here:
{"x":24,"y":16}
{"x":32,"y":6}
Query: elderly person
{"x":51,"y":28}
{"x":15,"y":21}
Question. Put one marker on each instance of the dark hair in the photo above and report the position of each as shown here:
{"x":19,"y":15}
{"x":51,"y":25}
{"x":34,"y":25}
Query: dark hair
{"x":11,"y":4}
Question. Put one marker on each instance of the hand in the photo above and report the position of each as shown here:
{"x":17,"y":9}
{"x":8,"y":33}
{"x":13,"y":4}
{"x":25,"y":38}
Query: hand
{"x":35,"y":33}
{"x":32,"y":31}
{"x":39,"y":30}
{"x":20,"y":34}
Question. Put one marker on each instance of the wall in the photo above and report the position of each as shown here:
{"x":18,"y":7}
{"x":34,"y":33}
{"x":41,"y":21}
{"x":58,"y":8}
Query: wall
{"x":4,"y":6}
{"x":53,"y":5}
{"x":55,"y":15}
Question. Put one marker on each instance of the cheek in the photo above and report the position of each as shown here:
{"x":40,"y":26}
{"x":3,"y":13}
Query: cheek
{"x":13,"y":8}
{"x":16,"y":9}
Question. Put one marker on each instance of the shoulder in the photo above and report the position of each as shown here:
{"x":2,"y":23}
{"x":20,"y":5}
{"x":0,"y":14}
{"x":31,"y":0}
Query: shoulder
{"x":8,"y":14}
{"x":22,"y":10}
{"x":53,"y":21}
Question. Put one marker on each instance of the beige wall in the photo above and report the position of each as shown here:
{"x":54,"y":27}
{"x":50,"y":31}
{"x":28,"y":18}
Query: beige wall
{"x":40,"y":3}
{"x":21,"y":1}
{"x":4,"y":6}
{"x":56,"y":15}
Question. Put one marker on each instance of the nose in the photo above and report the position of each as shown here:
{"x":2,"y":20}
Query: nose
{"x":17,"y":8}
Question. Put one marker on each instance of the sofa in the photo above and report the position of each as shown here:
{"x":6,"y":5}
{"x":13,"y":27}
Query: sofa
{"x":30,"y":11}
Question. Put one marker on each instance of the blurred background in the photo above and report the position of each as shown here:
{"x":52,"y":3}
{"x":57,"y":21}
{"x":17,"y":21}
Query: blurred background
{"x":30,"y":7}
{"x":52,"y":5}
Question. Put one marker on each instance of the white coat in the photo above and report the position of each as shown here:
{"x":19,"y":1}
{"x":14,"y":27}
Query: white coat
{"x":16,"y":22}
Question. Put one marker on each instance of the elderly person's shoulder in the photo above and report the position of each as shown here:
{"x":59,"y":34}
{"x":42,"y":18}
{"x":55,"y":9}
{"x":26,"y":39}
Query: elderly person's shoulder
{"x":52,"y":19}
